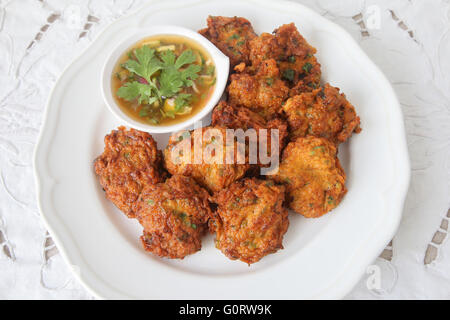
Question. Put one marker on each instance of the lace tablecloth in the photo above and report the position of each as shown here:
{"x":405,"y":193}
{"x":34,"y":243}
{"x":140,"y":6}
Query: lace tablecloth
{"x":408,"y":40}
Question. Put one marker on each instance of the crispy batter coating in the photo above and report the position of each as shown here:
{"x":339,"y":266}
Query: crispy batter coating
{"x":266,"y":47}
{"x":306,"y":75}
{"x":294,"y":56}
{"x":313,"y":175}
{"x":263,"y":92}
{"x":231,"y":35}
{"x":229,"y":116}
{"x":129,"y":162}
{"x":323,"y":112}
{"x":174,"y":215}
{"x":209,"y":167}
{"x":251,"y":221}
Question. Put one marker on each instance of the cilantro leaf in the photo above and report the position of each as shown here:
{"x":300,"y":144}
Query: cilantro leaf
{"x":170,"y":82}
{"x":135,"y":90}
{"x":210,"y":70}
{"x":185,"y":58}
{"x":172,"y":79}
{"x":181,"y":101}
{"x":307,"y":67}
{"x":144,"y":112}
{"x":289,"y":74}
{"x":189,"y":74}
{"x":146,"y":64}
{"x":168,"y":57}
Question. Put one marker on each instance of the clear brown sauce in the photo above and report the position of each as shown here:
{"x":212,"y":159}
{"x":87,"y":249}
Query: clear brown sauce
{"x":150,"y":113}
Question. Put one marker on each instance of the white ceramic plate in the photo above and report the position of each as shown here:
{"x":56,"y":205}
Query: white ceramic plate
{"x":323,"y":258}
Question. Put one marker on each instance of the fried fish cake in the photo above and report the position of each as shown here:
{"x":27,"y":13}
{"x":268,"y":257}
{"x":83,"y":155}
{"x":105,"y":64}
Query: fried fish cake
{"x":229,"y":116}
{"x":129,"y":162}
{"x":263,"y":92}
{"x":324,"y":112}
{"x":313,"y":176}
{"x":250,"y":221}
{"x":294,"y":56}
{"x":174,"y":215}
{"x":231,"y":35}
{"x":205,"y":155}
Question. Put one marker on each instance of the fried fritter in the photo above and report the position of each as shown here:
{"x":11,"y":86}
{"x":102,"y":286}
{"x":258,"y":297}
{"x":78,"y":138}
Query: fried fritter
{"x":263,"y":92}
{"x":294,"y":56}
{"x":250,"y":220}
{"x":313,"y":175}
{"x":229,"y":116}
{"x":285,"y":42}
{"x":206,"y":164}
{"x":323,"y":112}
{"x":129,"y":162}
{"x":231,"y":35}
{"x":174,"y":215}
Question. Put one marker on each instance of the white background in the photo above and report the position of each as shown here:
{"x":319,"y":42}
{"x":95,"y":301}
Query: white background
{"x":408,"y":40}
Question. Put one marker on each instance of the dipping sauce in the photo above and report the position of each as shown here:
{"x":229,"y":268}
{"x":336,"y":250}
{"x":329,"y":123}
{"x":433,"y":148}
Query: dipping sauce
{"x":163,"y":80}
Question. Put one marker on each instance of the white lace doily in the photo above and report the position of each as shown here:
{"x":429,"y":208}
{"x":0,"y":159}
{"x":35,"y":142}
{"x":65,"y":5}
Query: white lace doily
{"x":409,"y":40}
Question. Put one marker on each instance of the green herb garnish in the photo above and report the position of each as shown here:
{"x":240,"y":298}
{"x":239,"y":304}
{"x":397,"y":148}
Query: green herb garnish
{"x":330,"y":200}
{"x":144,"y":112}
{"x":210,"y":70}
{"x":289,"y":74}
{"x":312,"y":85}
{"x":172,"y":79}
{"x":269,"y":183}
{"x":182,"y":215}
{"x":269,"y":81}
{"x":181,"y":101}
{"x":322,"y":148}
{"x":307,"y":67}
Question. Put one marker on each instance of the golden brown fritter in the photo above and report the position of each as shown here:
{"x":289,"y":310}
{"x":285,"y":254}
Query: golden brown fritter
{"x":263,"y":92}
{"x":129,"y":162}
{"x":174,"y":215}
{"x":323,"y":112}
{"x":313,"y":175}
{"x":231,"y":35}
{"x":211,"y":171}
{"x":250,"y":220}
{"x":294,"y":56}
{"x":229,"y":116}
